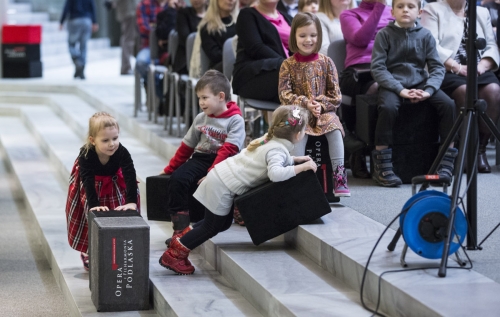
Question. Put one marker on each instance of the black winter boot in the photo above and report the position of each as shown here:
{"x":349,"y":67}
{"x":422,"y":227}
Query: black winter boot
{"x":382,"y":169}
{"x":351,"y":142}
{"x":180,"y":221}
{"x":446,"y":167}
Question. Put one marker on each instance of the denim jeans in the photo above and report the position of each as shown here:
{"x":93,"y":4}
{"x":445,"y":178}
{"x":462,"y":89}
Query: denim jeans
{"x":79,"y":32}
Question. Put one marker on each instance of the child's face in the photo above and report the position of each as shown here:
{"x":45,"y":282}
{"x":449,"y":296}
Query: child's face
{"x":406,"y":12}
{"x":306,"y":37}
{"x":106,"y":141}
{"x":211,"y":104}
{"x":312,"y":7}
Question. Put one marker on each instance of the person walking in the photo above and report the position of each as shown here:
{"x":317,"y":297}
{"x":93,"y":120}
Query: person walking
{"x":81,"y":24}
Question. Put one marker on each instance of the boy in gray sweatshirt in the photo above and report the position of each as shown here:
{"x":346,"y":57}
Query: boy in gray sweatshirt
{"x":400,"y":54}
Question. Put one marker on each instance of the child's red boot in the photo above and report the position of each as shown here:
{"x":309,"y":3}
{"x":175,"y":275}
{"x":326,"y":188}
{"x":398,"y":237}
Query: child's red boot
{"x":175,"y":258}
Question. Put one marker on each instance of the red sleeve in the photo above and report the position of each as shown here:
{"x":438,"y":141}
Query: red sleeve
{"x":224,"y":152}
{"x":181,"y":156}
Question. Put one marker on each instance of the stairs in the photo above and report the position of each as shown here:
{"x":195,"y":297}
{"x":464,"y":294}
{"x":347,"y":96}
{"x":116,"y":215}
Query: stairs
{"x":313,"y":270}
{"x":54,"y":46}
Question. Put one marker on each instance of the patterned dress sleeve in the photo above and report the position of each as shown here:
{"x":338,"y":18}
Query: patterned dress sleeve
{"x":332,"y":98}
{"x":286,"y":87}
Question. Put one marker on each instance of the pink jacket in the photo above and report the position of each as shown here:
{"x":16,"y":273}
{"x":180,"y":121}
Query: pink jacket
{"x":359,"y":26}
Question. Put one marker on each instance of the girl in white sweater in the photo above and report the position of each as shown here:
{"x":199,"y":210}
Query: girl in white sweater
{"x":267,"y":158}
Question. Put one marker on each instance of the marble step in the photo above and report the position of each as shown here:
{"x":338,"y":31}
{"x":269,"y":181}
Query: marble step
{"x":44,"y":195}
{"x":41,"y":122}
{"x":15,"y":8}
{"x":78,"y":109}
{"x":57,"y":48}
{"x":219,"y":297}
{"x":28,"y":18}
{"x":63,"y":59}
{"x":342,"y":242}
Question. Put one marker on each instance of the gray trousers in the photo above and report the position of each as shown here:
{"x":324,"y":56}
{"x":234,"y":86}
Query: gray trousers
{"x":127,"y":42}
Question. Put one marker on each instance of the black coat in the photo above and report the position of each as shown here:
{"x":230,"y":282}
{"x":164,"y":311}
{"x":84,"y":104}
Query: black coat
{"x":259,"y":46}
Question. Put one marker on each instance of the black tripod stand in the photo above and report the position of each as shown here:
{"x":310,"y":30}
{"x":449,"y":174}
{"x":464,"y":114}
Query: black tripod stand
{"x":468,"y":121}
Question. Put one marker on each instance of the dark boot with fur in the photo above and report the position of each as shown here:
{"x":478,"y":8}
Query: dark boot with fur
{"x":382,"y":169}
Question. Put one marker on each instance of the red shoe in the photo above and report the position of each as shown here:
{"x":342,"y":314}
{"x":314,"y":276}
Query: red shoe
{"x":85,"y":260}
{"x":175,"y":258}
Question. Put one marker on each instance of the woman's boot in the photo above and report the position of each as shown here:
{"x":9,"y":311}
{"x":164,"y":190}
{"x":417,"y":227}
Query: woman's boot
{"x":180,"y":221}
{"x":382,"y":169}
{"x":175,"y":258}
{"x":357,"y":161}
{"x":482,"y":161}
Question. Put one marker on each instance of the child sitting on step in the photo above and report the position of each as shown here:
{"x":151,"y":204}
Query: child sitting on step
{"x":266,"y":158}
{"x":216,"y":134}
{"x":400,"y":54}
{"x":103,"y":178}
{"x":309,"y":79}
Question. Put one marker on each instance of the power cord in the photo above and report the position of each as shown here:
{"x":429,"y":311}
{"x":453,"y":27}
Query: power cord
{"x":375,"y":312}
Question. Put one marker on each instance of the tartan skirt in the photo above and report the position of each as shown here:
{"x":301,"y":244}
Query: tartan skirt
{"x":111,"y":191}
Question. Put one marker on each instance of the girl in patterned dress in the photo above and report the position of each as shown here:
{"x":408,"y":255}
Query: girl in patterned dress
{"x":103,"y":178}
{"x":309,"y":79}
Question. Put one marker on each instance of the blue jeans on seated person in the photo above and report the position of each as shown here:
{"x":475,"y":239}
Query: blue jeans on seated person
{"x":79,"y":32}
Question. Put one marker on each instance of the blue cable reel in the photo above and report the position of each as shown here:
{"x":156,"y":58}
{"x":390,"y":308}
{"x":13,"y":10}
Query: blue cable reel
{"x":424,"y":223}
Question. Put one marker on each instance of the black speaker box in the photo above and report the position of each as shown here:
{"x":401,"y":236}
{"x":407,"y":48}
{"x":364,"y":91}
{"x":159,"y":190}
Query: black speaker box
{"x":120,"y":264}
{"x":416,"y":122}
{"x":275,"y":208}
{"x":112,"y":213}
{"x":20,"y":52}
{"x":317,"y":149}
{"x":157,"y":200}
{"x":29,"y":69}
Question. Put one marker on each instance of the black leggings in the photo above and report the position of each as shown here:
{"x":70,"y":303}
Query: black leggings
{"x":207,"y":228}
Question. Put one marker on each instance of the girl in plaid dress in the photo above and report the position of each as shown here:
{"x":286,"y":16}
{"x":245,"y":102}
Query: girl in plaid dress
{"x":103,"y":178}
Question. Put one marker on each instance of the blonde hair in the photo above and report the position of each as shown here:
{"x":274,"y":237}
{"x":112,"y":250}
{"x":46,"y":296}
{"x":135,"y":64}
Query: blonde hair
{"x":326,"y":7}
{"x":281,"y":127}
{"x":304,"y":19}
{"x":213,"y":20}
{"x":99,"y":121}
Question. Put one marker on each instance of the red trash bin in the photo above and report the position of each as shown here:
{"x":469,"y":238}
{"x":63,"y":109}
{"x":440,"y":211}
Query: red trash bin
{"x":21,"y":56}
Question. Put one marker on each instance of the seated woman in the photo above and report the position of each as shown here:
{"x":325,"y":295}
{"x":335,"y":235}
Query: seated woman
{"x":187,"y":22}
{"x":447,"y":22}
{"x":263,"y":34}
{"x":359,"y":26}
{"x":216,"y":27}
{"x":328,"y":14}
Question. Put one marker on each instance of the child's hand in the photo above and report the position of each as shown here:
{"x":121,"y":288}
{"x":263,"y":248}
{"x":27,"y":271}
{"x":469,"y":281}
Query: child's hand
{"x":301,"y":159}
{"x":162,"y":172}
{"x":421,"y":95}
{"x":408,"y":93}
{"x":129,"y":206}
{"x":314,"y":107}
{"x":308,"y":165}
{"x":99,"y":208}
{"x":201,"y":180}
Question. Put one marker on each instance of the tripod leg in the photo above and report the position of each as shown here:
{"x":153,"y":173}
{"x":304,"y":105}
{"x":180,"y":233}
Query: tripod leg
{"x":459,"y":259}
{"x":403,"y":256}
{"x":444,"y":146}
{"x":394,"y":241}
{"x":491,"y":126}
{"x":454,"y":194}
